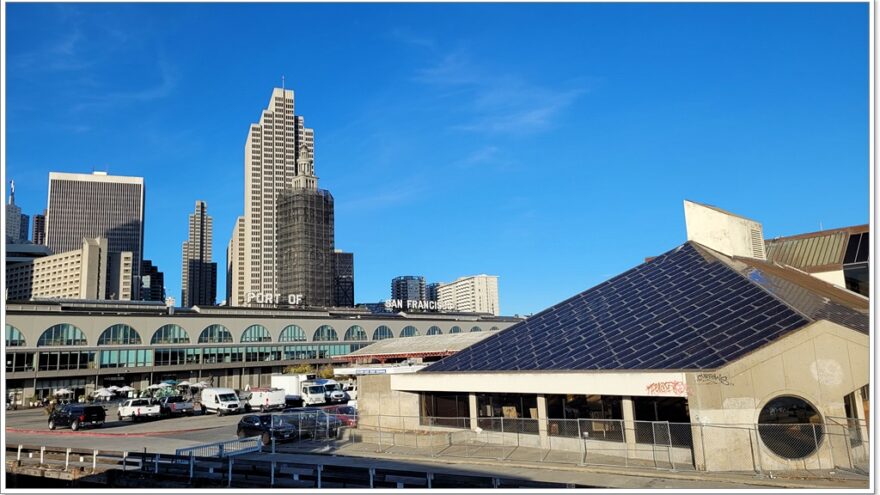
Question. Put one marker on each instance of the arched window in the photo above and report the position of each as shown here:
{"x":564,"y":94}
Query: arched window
{"x":292,"y":333}
{"x":455,"y":329}
{"x":435,"y":330}
{"x":170,"y":334}
{"x":355,"y":332}
{"x":62,"y":334}
{"x":256,"y":333}
{"x":383,"y":332}
{"x":409,"y":331}
{"x":324,"y":333}
{"x":119,"y":334}
{"x":790,"y":427}
{"x":493,"y":329}
{"x":215,"y":334}
{"x":476,"y":329}
{"x":14,"y":337}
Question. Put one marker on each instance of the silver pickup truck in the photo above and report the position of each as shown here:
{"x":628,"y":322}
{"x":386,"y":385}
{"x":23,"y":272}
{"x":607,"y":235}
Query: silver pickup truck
{"x":176,"y":406}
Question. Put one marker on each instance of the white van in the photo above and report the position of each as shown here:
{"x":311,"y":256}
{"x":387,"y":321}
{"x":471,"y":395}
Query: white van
{"x":220,"y":400}
{"x":263,"y":398}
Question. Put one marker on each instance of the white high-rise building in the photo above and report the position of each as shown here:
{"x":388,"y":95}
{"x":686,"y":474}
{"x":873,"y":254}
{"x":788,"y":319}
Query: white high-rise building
{"x":235,"y":265}
{"x":473,"y":294}
{"x":278,"y":156}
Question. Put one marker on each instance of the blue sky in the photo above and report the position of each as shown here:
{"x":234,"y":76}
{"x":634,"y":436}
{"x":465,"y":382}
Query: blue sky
{"x":551,"y":145}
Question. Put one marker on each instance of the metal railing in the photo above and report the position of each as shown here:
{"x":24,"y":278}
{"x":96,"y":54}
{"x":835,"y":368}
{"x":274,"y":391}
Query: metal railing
{"x":227,"y":448}
{"x":833,"y":448}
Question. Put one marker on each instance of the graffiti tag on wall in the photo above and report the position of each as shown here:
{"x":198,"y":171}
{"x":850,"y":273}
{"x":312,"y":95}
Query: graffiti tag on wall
{"x":713,"y":379}
{"x":674,"y":387}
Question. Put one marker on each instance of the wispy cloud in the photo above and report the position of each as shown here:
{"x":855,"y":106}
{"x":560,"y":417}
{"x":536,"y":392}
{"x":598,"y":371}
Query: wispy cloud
{"x":500,"y":103}
{"x":405,"y":35}
{"x":167,"y":82}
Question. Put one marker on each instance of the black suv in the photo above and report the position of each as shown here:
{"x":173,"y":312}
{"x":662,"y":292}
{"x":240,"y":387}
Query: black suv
{"x":76,"y":416}
{"x":267,"y":427}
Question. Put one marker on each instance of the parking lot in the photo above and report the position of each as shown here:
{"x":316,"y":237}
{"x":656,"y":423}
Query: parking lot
{"x":30,"y":426}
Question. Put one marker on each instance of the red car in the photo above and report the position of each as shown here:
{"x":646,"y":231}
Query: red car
{"x":346,"y":414}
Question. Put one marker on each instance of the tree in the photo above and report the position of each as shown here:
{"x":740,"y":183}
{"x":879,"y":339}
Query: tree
{"x":326,"y":371}
{"x":299,"y":369}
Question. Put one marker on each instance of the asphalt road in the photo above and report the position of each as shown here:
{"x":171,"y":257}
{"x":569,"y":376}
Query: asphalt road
{"x":159,"y":435}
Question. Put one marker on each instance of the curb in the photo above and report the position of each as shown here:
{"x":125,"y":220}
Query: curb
{"x":106,"y":435}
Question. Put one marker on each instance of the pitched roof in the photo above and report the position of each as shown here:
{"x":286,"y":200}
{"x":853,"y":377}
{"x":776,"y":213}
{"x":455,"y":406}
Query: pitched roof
{"x":448,"y":343}
{"x":690,"y":308}
{"x":813,"y":251}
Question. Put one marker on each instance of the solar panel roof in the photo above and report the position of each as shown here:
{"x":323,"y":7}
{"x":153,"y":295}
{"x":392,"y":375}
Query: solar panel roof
{"x":689,"y":308}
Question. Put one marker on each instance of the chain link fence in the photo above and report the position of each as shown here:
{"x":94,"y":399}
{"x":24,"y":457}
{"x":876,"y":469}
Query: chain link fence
{"x":837,"y":448}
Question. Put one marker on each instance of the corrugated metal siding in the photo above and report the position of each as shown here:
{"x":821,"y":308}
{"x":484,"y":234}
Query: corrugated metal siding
{"x":809,"y":251}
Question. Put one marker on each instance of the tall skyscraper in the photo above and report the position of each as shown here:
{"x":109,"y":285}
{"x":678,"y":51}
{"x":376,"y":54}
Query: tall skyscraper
{"x":199,"y":280}
{"x":97,"y":205}
{"x":343,"y":279}
{"x":152,"y":282}
{"x":23,"y":228}
{"x":408,"y":288}
{"x":431,"y":292}
{"x":305,"y":243}
{"x":278,"y":156}
{"x":235,"y":265}
{"x":39,"y":236}
{"x":13,"y":218}
{"x":474,"y":294}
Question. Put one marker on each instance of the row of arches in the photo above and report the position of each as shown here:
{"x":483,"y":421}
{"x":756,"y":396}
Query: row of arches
{"x":65,"y":334}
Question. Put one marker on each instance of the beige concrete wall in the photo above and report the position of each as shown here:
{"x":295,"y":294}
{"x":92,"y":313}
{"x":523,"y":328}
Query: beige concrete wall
{"x":634,"y":383}
{"x":724,"y":232}
{"x":832,"y":277}
{"x":397,"y":409}
{"x":821,"y":363}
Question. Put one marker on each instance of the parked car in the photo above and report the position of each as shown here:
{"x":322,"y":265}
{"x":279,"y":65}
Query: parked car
{"x":267,"y":427}
{"x":175,"y":405}
{"x":76,"y":416}
{"x":314,"y":422}
{"x":220,"y":400}
{"x":135,"y":409}
{"x":346,"y":414}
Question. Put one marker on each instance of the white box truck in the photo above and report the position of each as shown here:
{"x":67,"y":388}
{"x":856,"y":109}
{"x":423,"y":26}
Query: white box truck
{"x":300,"y":385}
{"x":220,"y":400}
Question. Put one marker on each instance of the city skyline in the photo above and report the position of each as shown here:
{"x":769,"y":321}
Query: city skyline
{"x":553,"y":171}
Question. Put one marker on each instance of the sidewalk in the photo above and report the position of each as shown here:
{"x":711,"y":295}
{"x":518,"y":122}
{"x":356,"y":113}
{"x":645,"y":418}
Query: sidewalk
{"x":566,"y":472}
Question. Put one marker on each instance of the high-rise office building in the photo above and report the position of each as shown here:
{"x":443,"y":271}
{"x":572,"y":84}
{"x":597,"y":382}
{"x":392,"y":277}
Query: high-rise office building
{"x":305,"y":243}
{"x":39,"y":236}
{"x":90,"y":272}
{"x":23,"y":228}
{"x":235,"y":265}
{"x":474,"y":294}
{"x":343,"y":279}
{"x":97,"y":205}
{"x":408,"y":288}
{"x":199,"y":274}
{"x":431,"y":292}
{"x":278,"y":156}
{"x":152,"y":282}
{"x":13,"y":219}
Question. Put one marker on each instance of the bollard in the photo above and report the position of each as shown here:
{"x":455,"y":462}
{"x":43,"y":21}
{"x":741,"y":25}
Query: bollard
{"x":18,"y":458}
{"x":66,"y":458}
{"x":94,"y":460}
{"x":192,"y":463}
{"x":124,"y":459}
{"x":229,"y":481}
{"x":42,"y":454}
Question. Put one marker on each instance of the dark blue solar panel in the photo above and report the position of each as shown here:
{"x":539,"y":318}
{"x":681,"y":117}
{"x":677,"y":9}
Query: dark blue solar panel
{"x":685,"y":309}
